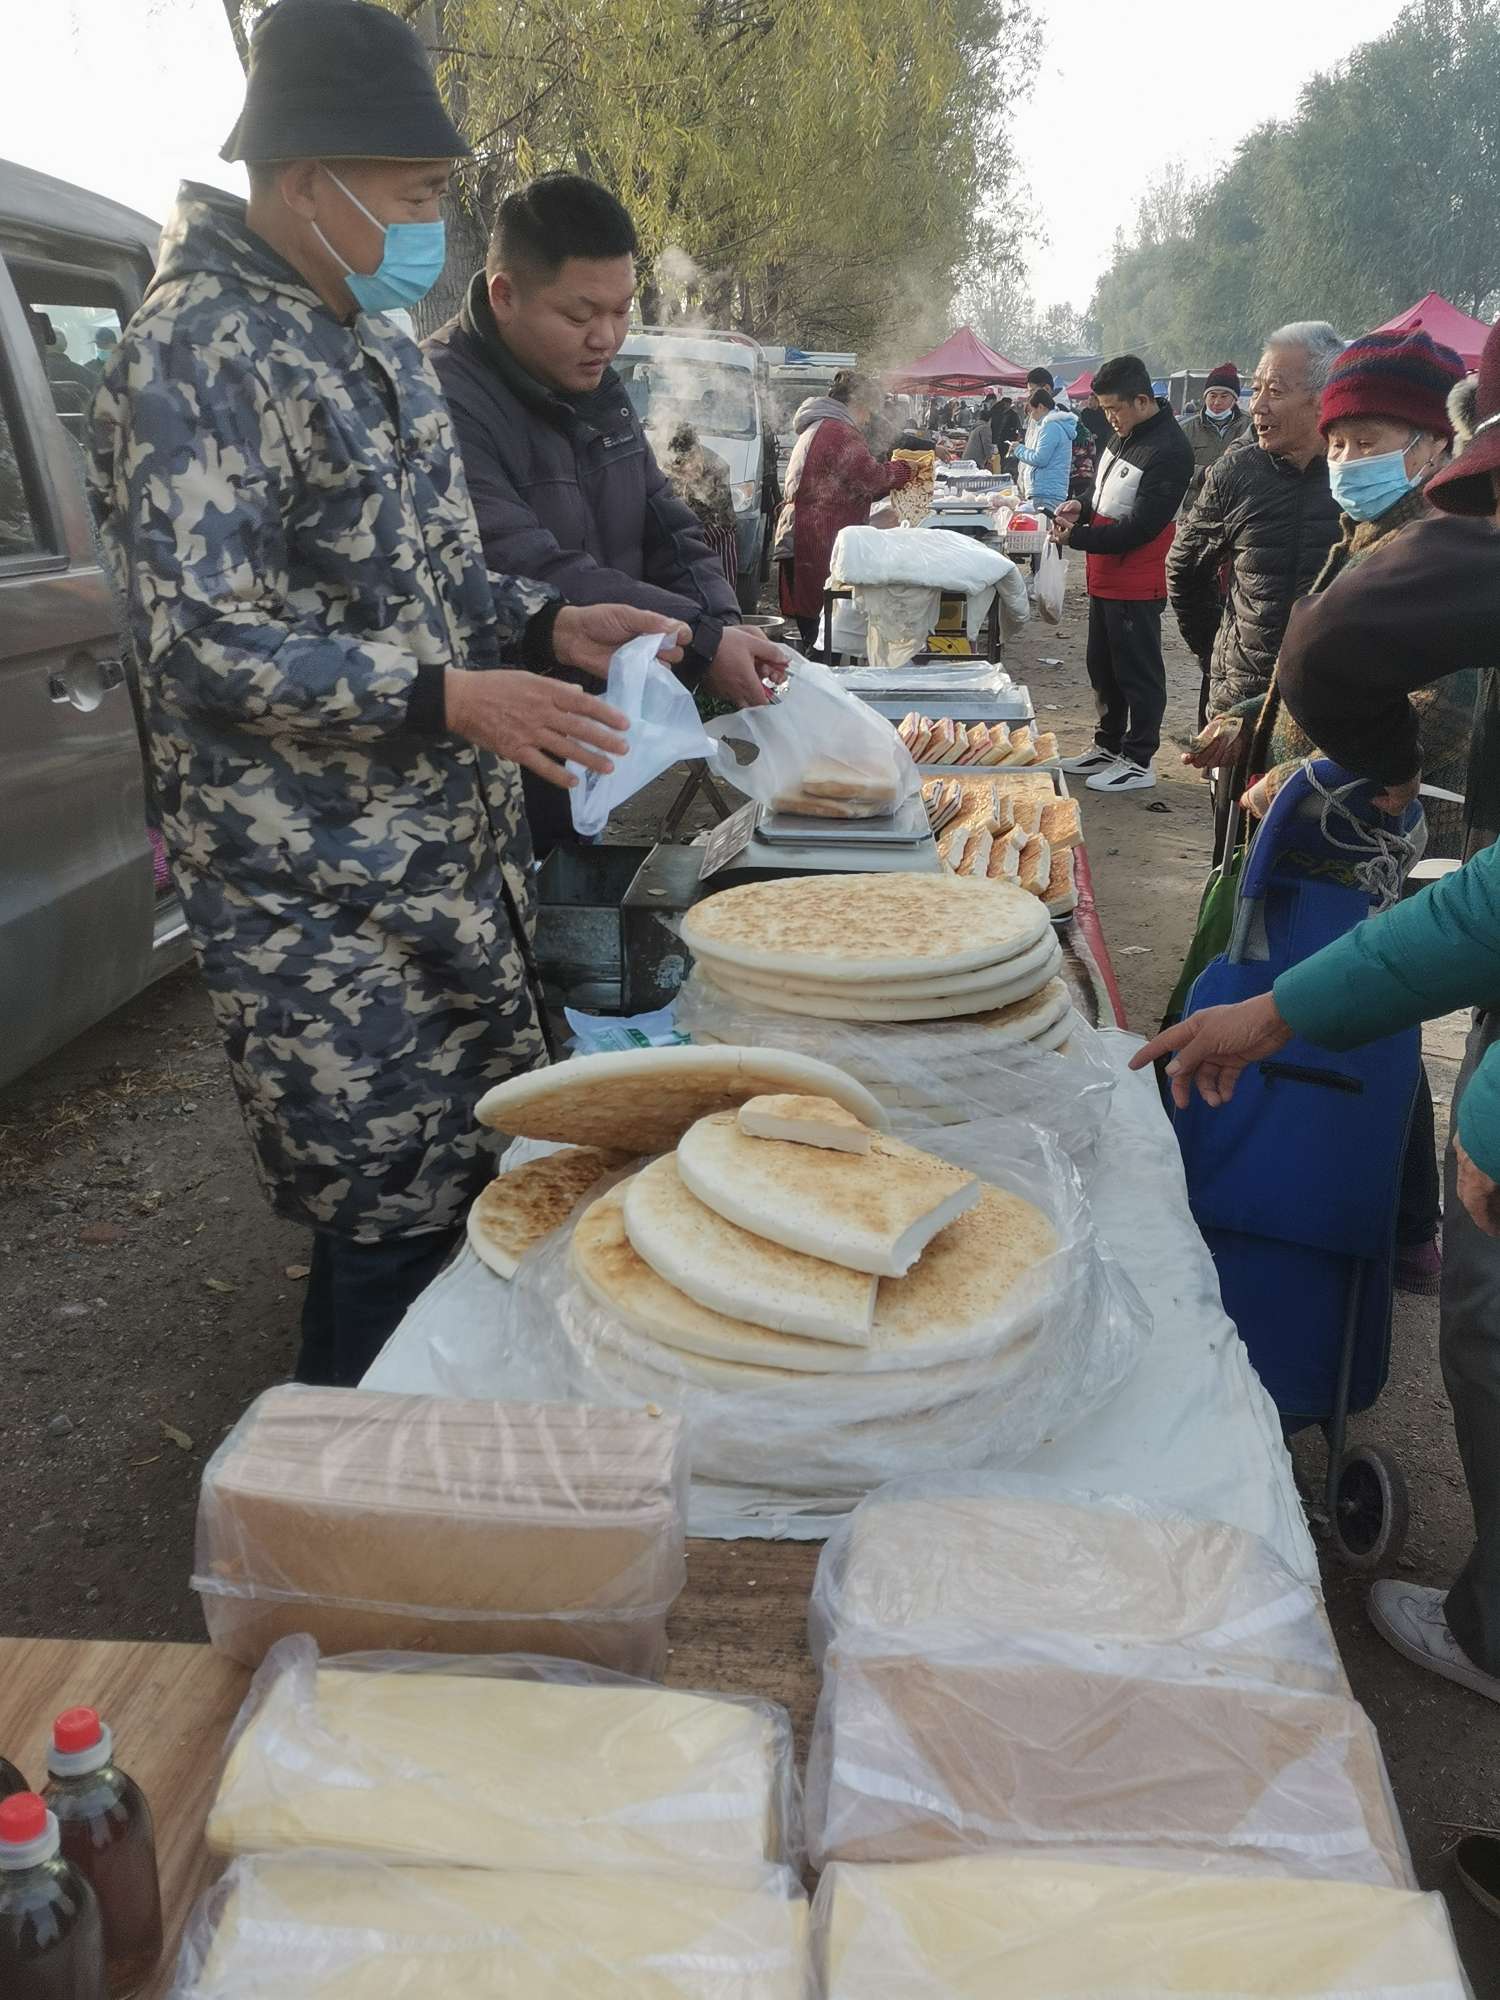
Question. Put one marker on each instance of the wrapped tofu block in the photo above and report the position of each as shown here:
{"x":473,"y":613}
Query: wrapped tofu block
{"x":321,"y":1929}
{"x":1006,"y":1666}
{"x":520,"y":1763}
{"x":992,"y":1925}
{"x":416,"y":1523}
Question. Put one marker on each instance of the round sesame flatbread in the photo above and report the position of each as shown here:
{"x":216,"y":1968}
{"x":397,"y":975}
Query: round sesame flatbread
{"x":956,"y":1306}
{"x":861,"y":927}
{"x":526,"y":1203}
{"x":1037,"y":963}
{"x":643,"y":1100}
{"x":795,"y":997}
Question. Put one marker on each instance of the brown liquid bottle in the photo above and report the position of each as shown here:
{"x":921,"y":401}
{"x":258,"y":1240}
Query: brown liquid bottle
{"x":51,"y":1938}
{"x":105,"y":1827}
{"x":11,"y":1780}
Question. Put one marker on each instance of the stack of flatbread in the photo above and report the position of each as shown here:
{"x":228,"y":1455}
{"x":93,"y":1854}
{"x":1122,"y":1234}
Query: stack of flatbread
{"x":782,"y":1242}
{"x":948,"y":744}
{"x":888,"y":948}
{"x":1008,"y":832}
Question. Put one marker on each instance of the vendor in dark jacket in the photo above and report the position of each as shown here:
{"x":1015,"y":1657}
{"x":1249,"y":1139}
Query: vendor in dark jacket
{"x":1125,"y":530}
{"x":1266,"y":513}
{"x":563,"y":481}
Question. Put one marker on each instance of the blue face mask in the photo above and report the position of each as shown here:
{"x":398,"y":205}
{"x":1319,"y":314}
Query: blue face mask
{"x":410,"y":265}
{"x":1366,"y":488}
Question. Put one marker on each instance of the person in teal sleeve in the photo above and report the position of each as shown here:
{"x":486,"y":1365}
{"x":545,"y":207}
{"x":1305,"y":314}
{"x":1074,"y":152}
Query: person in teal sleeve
{"x":1437,"y":952}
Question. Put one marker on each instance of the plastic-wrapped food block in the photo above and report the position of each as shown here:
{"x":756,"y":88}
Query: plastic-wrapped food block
{"x":416,"y":1523}
{"x":503,"y":1764}
{"x":991,"y":1925}
{"x":1010,"y":1666}
{"x":320,"y":1929}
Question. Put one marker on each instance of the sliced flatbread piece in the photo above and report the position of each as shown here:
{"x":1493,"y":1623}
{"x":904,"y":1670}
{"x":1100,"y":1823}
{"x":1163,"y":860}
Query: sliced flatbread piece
{"x":855,"y":927}
{"x":946,"y":1310}
{"x":1033,"y":965}
{"x":1022,"y":747}
{"x":643,"y":1100}
{"x":1036,"y":865}
{"x":1062,"y":824}
{"x":804,"y":1121}
{"x":976,"y":858}
{"x":874,"y":1212}
{"x":954,"y":846}
{"x":1046,"y":747}
{"x":525,"y":1204}
{"x":1062,"y":890}
{"x":725,"y":1268}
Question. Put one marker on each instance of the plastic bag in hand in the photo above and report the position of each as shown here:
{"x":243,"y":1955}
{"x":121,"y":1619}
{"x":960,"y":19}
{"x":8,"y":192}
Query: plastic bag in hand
{"x":818,"y":750}
{"x":1051,"y":584}
{"x":664,"y":730}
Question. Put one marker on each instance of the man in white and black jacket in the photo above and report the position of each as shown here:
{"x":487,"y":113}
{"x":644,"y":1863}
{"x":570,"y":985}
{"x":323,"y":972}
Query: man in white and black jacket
{"x":1125,"y":529}
{"x":563,"y":480}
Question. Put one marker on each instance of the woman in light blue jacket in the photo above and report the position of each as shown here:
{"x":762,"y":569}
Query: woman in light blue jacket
{"x":1047,"y":453}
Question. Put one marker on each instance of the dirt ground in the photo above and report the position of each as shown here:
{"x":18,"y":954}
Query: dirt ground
{"x":146,"y":1294}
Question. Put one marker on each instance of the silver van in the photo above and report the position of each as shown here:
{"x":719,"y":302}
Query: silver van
{"x":87,"y":916}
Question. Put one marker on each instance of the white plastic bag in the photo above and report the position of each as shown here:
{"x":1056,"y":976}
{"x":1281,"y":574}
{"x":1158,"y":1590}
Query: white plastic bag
{"x":504,"y":1761}
{"x":664,"y":730}
{"x":1051,"y":584}
{"x":1054,"y":1348}
{"x":309,"y":1927}
{"x":817,"y":750}
{"x":1009,"y":1663}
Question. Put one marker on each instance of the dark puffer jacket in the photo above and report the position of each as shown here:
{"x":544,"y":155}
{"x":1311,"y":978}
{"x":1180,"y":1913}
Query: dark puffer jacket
{"x":1273,"y":526}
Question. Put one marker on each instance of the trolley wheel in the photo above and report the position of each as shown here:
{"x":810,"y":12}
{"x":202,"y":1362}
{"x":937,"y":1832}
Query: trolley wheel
{"x":1371,"y":1510}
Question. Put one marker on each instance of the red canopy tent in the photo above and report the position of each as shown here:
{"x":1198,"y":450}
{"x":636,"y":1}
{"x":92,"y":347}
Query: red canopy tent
{"x":1084,"y":386}
{"x":961,"y":365}
{"x":1445,"y":323}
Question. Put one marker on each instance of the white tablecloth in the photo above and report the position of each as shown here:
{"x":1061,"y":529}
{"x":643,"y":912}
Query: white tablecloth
{"x":1192,"y":1428}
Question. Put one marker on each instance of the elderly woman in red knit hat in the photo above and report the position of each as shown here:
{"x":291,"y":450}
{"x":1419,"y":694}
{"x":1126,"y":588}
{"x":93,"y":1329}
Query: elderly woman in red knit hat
{"x":1385,"y":417}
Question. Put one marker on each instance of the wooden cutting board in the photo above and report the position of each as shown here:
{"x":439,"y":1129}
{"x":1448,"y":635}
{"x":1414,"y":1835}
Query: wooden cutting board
{"x":170,"y":1708}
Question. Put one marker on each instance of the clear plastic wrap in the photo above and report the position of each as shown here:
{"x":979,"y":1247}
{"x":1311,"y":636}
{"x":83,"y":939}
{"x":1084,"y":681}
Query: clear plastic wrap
{"x":1057,"y":1346}
{"x":416,"y":1523}
{"x":1011,"y":1665}
{"x":930,"y":1072}
{"x":1050,"y":1929}
{"x":504,"y":1764}
{"x":316,"y":1927}
{"x":664,"y":730}
{"x":815,"y":750}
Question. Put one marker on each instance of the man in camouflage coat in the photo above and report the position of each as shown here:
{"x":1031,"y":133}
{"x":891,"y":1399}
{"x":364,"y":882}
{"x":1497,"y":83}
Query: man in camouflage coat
{"x":319,"y":646}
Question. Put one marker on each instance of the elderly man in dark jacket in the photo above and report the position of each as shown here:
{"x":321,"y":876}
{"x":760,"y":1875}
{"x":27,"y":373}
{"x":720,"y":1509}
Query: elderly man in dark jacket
{"x":565,"y":485}
{"x":1266,"y":511}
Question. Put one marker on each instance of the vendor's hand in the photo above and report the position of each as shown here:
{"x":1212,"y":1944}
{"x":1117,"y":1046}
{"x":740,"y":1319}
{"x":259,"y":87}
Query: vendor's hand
{"x":543,"y":724}
{"x":1212,"y":1048}
{"x":1478,"y":1193}
{"x":745,"y":661}
{"x":587,"y":635}
{"x":1067,"y":514}
{"x":1257,"y":800}
{"x":1061,"y":533}
{"x":1396,"y":798}
{"x":1217,"y":745}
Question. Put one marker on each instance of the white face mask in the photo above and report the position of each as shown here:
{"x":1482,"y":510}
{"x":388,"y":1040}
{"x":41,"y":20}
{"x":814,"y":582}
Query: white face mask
{"x":1220,"y":417}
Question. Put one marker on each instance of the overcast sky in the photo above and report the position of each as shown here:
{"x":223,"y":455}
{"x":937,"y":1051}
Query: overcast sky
{"x":1123,"y":89}
{"x":130,"y":96}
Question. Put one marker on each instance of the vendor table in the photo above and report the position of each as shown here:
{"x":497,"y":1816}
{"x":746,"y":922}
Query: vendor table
{"x":169,"y":1708}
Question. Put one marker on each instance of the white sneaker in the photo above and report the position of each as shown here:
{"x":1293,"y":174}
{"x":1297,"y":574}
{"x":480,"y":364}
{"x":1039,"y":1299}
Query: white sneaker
{"x":1095,"y":759}
{"x":1409,"y":1616}
{"x":1123,"y":776}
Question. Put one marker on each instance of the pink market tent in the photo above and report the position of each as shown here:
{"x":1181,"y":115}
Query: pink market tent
{"x":1084,"y":386}
{"x":961,"y":365}
{"x":1445,"y":323}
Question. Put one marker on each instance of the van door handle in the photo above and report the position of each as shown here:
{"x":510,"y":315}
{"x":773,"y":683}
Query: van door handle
{"x":84,"y":681}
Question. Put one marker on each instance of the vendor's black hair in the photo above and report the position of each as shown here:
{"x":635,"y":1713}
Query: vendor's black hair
{"x":557,"y":217}
{"x":1125,"y":377}
{"x":1041,"y":378}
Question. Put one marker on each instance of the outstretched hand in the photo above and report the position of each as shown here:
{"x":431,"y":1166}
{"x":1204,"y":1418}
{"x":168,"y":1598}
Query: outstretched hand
{"x":1211,"y":1048}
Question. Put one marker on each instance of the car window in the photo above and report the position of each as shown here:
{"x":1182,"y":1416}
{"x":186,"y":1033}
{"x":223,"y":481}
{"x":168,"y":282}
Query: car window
{"x":74,"y":342}
{"x":19,"y":534}
{"x":668,"y":390}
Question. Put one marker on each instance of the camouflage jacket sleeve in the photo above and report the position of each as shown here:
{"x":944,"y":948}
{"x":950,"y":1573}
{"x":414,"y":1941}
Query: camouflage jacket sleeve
{"x":200,"y":515}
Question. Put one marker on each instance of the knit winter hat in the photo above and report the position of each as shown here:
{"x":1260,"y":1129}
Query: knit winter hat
{"x":1465,"y":486}
{"x":1404,"y":377}
{"x":1225,"y":376}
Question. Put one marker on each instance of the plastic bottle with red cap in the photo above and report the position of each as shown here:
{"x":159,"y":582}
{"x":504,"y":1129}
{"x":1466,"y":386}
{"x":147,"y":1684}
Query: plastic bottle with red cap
{"x":105,"y":1827}
{"x":51,"y":1934}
